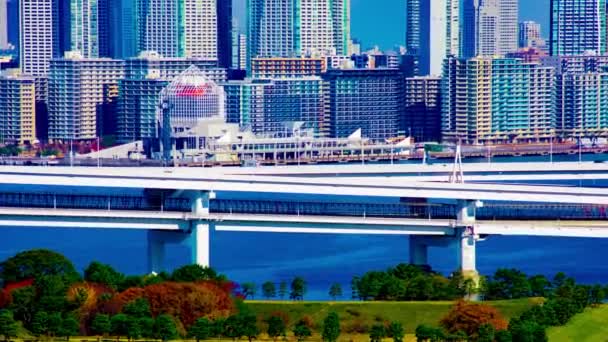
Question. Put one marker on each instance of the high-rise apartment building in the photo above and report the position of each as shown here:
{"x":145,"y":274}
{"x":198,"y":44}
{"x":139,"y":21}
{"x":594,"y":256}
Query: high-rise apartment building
{"x":489,"y":27}
{"x":178,"y":28}
{"x":497,"y":100}
{"x":422,"y":119}
{"x":287,"y":28}
{"x":80,"y":93}
{"x":3,"y":24}
{"x":368,"y":99}
{"x":224,"y":33}
{"x":39,"y":35}
{"x":432,"y":32}
{"x":282,"y":67}
{"x":123,"y":29}
{"x":268,"y":106}
{"x":578,"y":26}
{"x":17,"y":109}
{"x":529,"y":34}
{"x":89,"y":27}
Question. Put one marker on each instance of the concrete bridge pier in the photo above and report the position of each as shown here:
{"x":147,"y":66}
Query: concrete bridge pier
{"x":196,"y":236}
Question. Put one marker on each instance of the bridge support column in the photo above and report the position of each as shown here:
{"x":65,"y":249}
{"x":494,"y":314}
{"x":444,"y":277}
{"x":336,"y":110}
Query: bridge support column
{"x":418,"y":251}
{"x":156,"y":251}
{"x":200,"y":202}
{"x":200,"y":243}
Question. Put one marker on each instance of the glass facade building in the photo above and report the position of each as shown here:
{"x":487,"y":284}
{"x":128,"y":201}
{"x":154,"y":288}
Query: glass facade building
{"x":89,"y":27}
{"x":266,"y":106}
{"x":371,"y":100}
{"x":288,"y":28}
{"x":578,"y":26}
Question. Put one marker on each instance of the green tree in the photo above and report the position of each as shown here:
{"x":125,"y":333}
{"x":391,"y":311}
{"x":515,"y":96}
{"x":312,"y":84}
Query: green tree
{"x":101,"y":325}
{"x":39,"y":325}
{"x":249,"y":290}
{"x":133,"y":328}
{"x":597,"y":295}
{"x":69,"y":327}
{"x":503,"y":336}
{"x":233,"y":328}
{"x":298,"y":288}
{"x":331,"y":327}
{"x":24,"y":304}
{"x":396,"y":331}
{"x":54,"y":323}
{"x":282,"y":290}
{"x":269,"y":290}
{"x":335,"y":291}
{"x":191,"y":273}
{"x":218,"y":328}
{"x":527,"y":331}
{"x":164,"y":327}
{"x":301,"y":331}
{"x":486,"y":333}
{"x":100,"y":273}
{"x":137,"y":308}
{"x":249,"y":327}
{"x":201,"y":329}
{"x":540,"y":286}
{"x":276,"y":327}
{"x":426,"y":333}
{"x":147,"y":327}
{"x":35,"y":263}
{"x":8,"y":325}
{"x":118,"y":325}
{"x":377,"y":333}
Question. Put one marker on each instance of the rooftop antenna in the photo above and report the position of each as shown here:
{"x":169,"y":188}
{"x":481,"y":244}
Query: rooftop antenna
{"x":457,"y":175}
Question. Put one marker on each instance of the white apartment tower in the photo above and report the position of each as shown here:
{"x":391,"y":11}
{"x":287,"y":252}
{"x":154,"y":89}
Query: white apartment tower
{"x":178,"y":28}
{"x":39,"y":35}
{"x":433,"y":32}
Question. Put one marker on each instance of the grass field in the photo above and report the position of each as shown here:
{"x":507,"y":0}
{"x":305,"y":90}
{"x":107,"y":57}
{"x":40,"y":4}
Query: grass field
{"x":410,"y":314}
{"x":590,"y":326}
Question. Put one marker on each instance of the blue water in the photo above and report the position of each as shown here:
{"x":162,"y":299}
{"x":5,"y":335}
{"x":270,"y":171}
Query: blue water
{"x":320,"y":259}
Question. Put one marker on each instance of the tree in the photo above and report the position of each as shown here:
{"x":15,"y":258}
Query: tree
{"x":527,"y":331}
{"x":103,"y":274}
{"x":540,"y":286}
{"x":377,"y":333}
{"x":331,"y":327}
{"x":69,"y":327}
{"x":40,"y":323}
{"x":201,"y":330}
{"x":298,"y":288}
{"x":233,"y":328}
{"x":597,"y":295}
{"x":101,"y":325}
{"x":137,"y":308}
{"x":8,"y":326}
{"x":282,"y":290}
{"x":276,"y":327}
{"x":469,"y":317}
{"x":335,"y":291}
{"x":249,"y":290}
{"x":486,"y":333}
{"x":396,"y":331}
{"x":54,"y":323}
{"x":503,"y":336}
{"x":249,"y":327}
{"x":118,"y":325}
{"x":133,"y":328}
{"x":269,"y":290}
{"x":427,"y":333}
{"x":218,"y":328}
{"x":147,"y":327}
{"x":301,"y":331}
{"x":23,"y":306}
{"x":35,"y":263}
{"x":192,"y":273}
{"x":164,"y":327}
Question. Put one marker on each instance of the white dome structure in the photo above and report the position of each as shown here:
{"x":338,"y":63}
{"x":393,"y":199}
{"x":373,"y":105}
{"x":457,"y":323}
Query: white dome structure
{"x":190,"y":98}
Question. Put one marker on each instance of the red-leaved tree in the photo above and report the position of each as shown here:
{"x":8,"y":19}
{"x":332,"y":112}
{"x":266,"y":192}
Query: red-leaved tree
{"x":468,"y":317}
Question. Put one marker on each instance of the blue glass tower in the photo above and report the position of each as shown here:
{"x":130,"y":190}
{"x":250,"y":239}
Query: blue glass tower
{"x":578,"y":26}
{"x":123,"y":29}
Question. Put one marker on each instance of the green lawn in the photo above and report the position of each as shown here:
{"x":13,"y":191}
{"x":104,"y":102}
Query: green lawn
{"x":410,"y":314}
{"x":590,"y":326}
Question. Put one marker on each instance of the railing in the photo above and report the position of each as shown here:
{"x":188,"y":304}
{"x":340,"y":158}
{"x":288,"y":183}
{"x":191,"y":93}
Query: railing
{"x":414,"y":209}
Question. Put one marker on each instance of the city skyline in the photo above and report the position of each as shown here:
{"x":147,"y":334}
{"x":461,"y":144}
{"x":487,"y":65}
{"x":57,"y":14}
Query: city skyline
{"x":385,"y":25}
